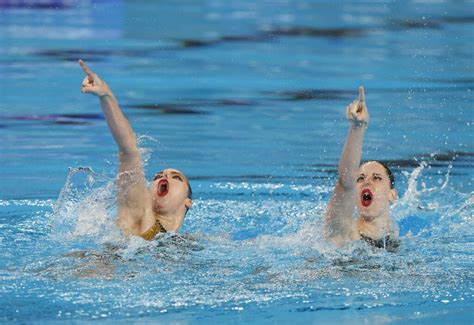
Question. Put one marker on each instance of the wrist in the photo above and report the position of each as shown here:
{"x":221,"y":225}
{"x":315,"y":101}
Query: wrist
{"x":106,"y":95}
{"x":359,"y":124}
{"x":106,"y":91}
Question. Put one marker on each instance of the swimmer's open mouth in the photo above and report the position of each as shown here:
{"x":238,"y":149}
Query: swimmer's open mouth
{"x":366,"y":197}
{"x":163,"y":187}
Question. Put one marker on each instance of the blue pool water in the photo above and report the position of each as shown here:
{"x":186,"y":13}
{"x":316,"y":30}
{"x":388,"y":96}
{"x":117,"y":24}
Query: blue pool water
{"x":248,"y":100}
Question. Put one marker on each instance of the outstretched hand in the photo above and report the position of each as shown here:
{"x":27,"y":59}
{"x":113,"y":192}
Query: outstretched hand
{"x":357,"y":112}
{"x":92,"y":83}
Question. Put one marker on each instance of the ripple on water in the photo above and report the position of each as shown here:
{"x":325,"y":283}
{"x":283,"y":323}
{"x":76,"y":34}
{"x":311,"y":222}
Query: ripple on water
{"x":232,"y":254}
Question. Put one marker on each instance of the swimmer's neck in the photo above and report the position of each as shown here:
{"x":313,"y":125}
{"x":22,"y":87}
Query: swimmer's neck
{"x":169,"y":222}
{"x":375,"y":228}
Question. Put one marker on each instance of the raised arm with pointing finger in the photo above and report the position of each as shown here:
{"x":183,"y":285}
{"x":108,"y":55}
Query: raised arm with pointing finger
{"x":369,"y":187}
{"x":142,"y":211}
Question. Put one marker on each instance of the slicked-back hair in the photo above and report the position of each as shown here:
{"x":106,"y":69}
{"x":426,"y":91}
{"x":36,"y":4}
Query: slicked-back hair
{"x":387,"y":170}
{"x":190,"y":191}
{"x":190,"y":196}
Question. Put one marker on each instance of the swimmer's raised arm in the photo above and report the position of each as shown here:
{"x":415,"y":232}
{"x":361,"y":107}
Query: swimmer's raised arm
{"x":339,"y":221}
{"x":118,"y":124}
{"x":134,"y":215}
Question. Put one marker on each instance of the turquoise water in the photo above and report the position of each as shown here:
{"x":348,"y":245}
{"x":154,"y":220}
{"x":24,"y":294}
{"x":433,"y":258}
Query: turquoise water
{"x":248,"y":100}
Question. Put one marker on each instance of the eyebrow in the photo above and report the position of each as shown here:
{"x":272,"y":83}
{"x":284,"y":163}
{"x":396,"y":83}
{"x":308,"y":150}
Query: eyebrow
{"x":173,"y":173}
{"x":177,"y":173}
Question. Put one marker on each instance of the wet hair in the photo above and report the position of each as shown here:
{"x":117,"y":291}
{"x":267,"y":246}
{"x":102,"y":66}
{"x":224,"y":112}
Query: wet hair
{"x":190,"y":196}
{"x":190,"y":191}
{"x":387,"y":170}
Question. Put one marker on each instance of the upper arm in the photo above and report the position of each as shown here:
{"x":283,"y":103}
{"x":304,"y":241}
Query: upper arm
{"x":133,"y":198}
{"x":339,"y":221}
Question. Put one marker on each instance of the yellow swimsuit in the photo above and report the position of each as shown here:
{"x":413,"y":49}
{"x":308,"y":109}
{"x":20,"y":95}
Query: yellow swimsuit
{"x":153,"y":231}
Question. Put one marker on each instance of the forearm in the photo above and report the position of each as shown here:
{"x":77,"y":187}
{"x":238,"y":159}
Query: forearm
{"x":351,"y":155}
{"x":118,"y":124}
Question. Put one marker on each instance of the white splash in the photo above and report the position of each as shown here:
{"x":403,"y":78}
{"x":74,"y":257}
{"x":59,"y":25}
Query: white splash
{"x":84,"y":208}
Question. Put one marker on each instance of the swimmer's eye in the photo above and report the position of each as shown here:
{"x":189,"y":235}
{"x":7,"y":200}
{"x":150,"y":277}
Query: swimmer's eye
{"x":378,"y":178}
{"x":360,"y":178}
{"x":157,"y":176}
{"x":177,"y":177}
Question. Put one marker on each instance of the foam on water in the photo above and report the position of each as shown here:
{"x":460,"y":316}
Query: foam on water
{"x":235,"y":253}
{"x":253,"y":111}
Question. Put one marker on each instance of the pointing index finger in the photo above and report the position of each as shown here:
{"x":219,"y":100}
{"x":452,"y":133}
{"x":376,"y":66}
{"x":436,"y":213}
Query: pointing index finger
{"x":361,"y":94}
{"x":88,"y":72}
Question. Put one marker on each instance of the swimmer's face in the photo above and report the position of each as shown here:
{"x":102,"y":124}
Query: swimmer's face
{"x":374,"y":194}
{"x":170,"y":191}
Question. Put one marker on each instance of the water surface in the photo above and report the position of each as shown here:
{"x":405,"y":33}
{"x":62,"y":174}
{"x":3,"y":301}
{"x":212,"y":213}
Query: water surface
{"x":248,"y":100}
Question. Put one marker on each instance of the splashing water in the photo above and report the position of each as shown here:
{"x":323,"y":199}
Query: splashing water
{"x":248,"y":97}
{"x":237,"y":255}
{"x":85,"y":207}
{"x":437,"y":209}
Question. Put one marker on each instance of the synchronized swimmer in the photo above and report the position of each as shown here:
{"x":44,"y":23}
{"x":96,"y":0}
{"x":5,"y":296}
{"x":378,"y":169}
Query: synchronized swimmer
{"x":142,"y":211}
{"x":161,"y":207}
{"x":370,"y":187}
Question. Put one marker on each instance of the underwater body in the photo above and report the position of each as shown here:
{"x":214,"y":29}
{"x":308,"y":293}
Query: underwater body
{"x":248,"y":100}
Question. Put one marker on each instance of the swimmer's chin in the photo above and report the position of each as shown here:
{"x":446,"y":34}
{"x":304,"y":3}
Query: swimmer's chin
{"x":364,"y":213}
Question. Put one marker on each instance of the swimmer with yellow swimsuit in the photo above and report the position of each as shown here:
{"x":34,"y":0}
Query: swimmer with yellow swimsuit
{"x":142,"y":211}
{"x":369,"y":187}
